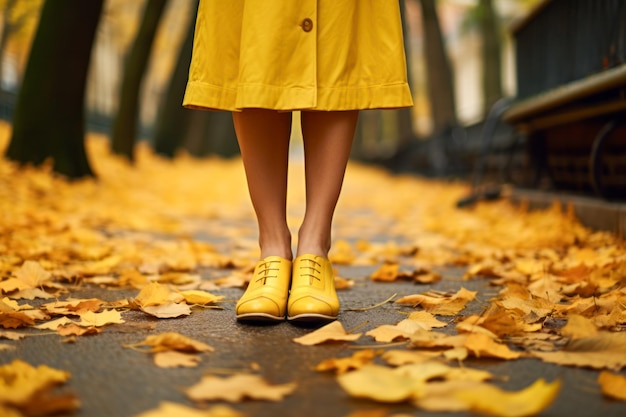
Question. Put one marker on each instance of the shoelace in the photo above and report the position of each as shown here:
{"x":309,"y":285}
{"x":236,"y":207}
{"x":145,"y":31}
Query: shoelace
{"x":314,"y":271}
{"x":265,"y":272}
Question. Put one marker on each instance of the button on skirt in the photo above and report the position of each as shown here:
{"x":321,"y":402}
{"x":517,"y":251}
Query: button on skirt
{"x":298,"y":55}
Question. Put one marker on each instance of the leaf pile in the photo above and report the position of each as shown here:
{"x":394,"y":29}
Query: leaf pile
{"x":560,"y":289}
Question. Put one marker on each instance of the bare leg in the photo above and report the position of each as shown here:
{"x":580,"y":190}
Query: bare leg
{"x":327,"y":141}
{"x":263,"y":137}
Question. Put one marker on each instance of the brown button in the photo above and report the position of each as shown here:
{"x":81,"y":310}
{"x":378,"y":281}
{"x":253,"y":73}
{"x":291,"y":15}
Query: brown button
{"x":307,"y":25}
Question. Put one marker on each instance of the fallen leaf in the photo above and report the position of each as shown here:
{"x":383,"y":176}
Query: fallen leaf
{"x":29,"y":388}
{"x":168,"y":311}
{"x":613,"y":385}
{"x":579,"y":327}
{"x":333,"y":331}
{"x":90,"y":318}
{"x":481,"y":345}
{"x":489,"y":399}
{"x":76,"y":330}
{"x":170,"y":341}
{"x":342,"y":365}
{"x":440,"y":303}
{"x":397,"y":357}
{"x":380,"y":383}
{"x":197,"y":297}
{"x":604,"y":351}
{"x":236,"y":388}
{"x":175,"y":359}
{"x":169,"y":409}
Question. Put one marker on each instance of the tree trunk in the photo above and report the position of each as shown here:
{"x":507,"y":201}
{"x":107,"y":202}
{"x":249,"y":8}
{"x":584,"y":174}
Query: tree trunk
{"x":404,"y":117}
{"x":491,"y":55}
{"x":439,"y":71}
{"x":49,"y":115}
{"x":125,"y":125}
{"x":173,"y":121}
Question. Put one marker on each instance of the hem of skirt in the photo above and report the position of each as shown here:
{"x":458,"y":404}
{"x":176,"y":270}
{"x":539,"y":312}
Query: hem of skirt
{"x":205,"y":96}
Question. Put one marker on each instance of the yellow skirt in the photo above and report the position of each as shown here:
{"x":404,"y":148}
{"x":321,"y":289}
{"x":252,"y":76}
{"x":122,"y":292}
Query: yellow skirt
{"x":298,"y":55}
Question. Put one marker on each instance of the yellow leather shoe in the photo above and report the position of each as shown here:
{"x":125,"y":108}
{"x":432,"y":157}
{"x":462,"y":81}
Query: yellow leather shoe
{"x":265,"y":299}
{"x":313,"y":296}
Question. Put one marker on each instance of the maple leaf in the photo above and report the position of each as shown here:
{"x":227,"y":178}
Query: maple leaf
{"x":32,"y":274}
{"x":200,"y":297}
{"x":604,"y":350}
{"x":90,"y":318}
{"x":167,"y":311}
{"x":237,"y":388}
{"x":417,"y":321}
{"x":342,"y":365}
{"x":333,"y":331}
{"x":484,"y":346}
{"x":172,"y":341}
{"x":440,"y":303}
{"x":613,"y":385}
{"x":380,"y":383}
{"x":175,"y":359}
{"x":25,"y":387}
{"x":399,"y":357}
{"x":169,"y":409}
{"x":488,"y":399}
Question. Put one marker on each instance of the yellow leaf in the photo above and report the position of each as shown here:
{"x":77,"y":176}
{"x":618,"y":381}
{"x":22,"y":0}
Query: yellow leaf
{"x":54,"y":324}
{"x":579,"y":327}
{"x":175,"y":359}
{"x":200,"y":297}
{"x":153,"y":294}
{"x":491,"y":400}
{"x":167,"y":311}
{"x":613,"y":385}
{"x":440,"y":303}
{"x":605,"y":350}
{"x":481,"y":345}
{"x":342,"y":365}
{"x":237,"y":388}
{"x":32,"y":274}
{"x":90,"y":318}
{"x":399,"y":357}
{"x":20,"y":382}
{"x":386,"y":273}
{"x":173,"y":341}
{"x":168,"y":409}
{"x":379,"y":383}
{"x":331,"y":332}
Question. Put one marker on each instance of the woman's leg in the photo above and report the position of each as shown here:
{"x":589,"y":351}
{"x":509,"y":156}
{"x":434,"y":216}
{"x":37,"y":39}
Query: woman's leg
{"x":263,"y":137}
{"x":327,"y":140}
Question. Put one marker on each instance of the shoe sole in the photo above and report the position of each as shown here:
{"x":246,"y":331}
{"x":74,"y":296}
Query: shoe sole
{"x":259,"y":317}
{"x":311,"y":318}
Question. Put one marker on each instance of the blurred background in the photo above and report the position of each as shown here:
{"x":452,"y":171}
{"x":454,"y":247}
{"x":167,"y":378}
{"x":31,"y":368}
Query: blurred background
{"x":498,"y":85}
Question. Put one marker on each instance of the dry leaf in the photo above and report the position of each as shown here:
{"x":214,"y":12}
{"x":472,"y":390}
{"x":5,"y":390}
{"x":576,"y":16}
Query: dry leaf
{"x":237,"y":388}
{"x":168,"y":311}
{"x":481,"y":345}
{"x":333,"y":331}
{"x":440,"y":303}
{"x":197,"y":297}
{"x":153,"y":294}
{"x":28,"y":388}
{"x":489,"y":399}
{"x":398,"y":357}
{"x":603,"y":351}
{"x":380,"y":383}
{"x":342,"y":365}
{"x":173,"y":341}
{"x":175,"y":359}
{"x":169,"y":409}
{"x":579,"y":327}
{"x":54,"y":324}
{"x":76,"y":330}
{"x":613,"y":385}
{"x":89,"y":318}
